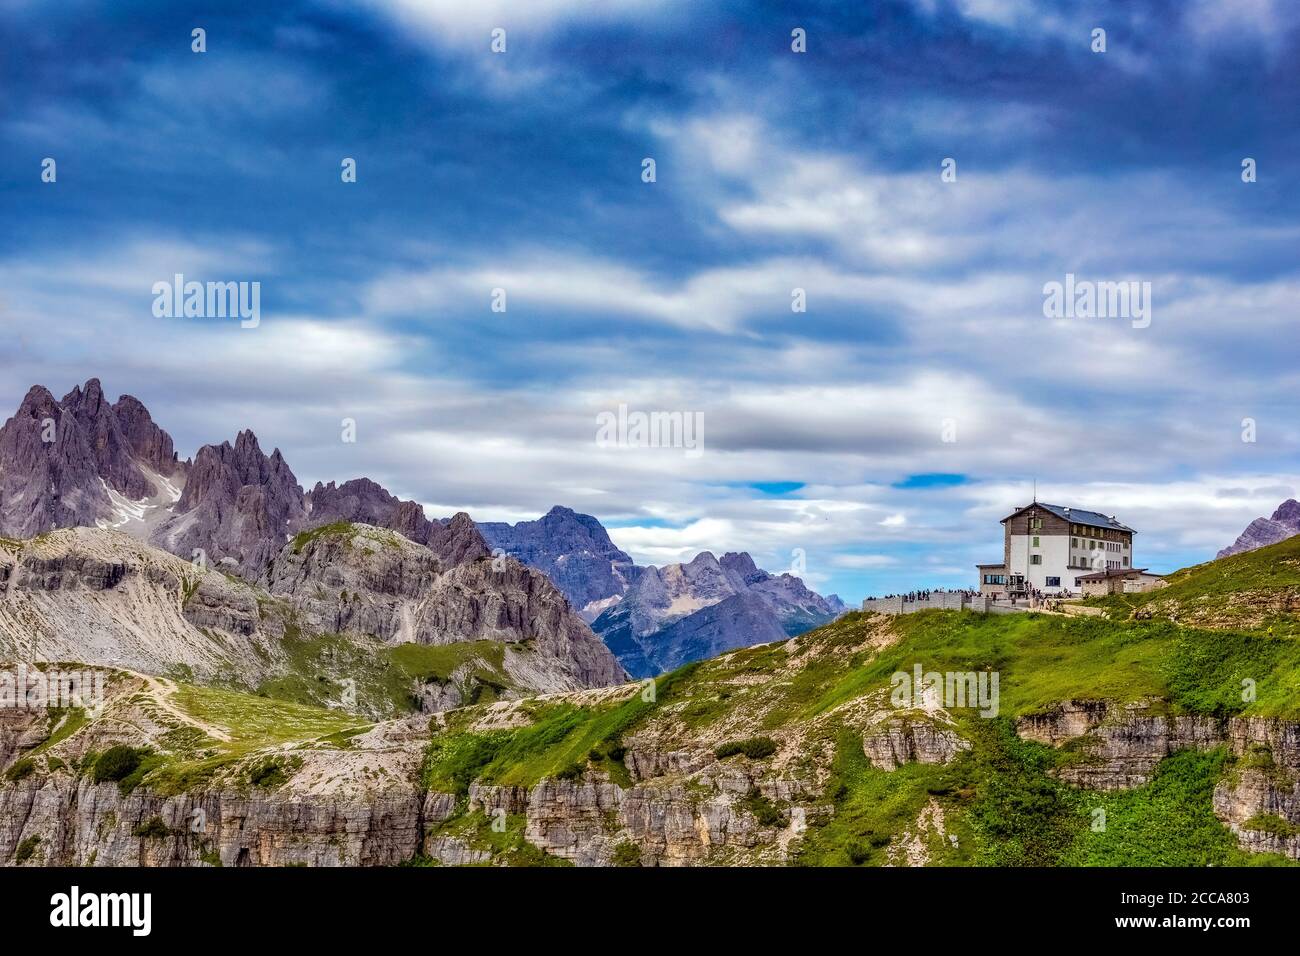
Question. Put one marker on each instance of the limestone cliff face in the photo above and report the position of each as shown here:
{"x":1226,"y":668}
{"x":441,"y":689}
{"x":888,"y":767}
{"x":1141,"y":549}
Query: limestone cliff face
{"x":85,"y":824}
{"x":356,"y":807}
{"x":911,"y":739}
{"x":1120,"y":747}
{"x":670,"y":820}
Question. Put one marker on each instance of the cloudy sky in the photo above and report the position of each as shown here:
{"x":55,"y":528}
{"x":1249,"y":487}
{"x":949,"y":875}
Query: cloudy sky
{"x":775,"y":170}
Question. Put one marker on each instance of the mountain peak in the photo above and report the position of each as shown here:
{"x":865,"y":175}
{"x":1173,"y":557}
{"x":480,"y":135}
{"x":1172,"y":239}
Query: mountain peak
{"x":739,"y":561}
{"x":1265,"y":531}
{"x":57,"y":479}
{"x":1288,"y":510}
{"x":574,"y":551}
{"x":246,"y":442}
{"x":37,"y":397}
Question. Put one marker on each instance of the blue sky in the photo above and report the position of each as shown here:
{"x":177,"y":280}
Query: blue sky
{"x":775,"y":170}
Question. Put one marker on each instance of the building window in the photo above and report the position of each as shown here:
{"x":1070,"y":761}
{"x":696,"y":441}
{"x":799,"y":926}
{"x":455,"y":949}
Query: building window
{"x":1035,"y":541}
{"x":1074,"y":542}
{"x":1126,"y":562}
{"x":1053,"y":583}
{"x":1035,"y":559}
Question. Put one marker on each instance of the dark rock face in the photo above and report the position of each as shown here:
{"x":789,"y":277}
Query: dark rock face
{"x":1262,"y":532}
{"x":573,"y":550}
{"x":150,"y":444}
{"x":457,"y":540}
{"x":114,"y":458}
{"x":58,"y":458}
{"x":684,"y":612}
{"x":238,"y":503}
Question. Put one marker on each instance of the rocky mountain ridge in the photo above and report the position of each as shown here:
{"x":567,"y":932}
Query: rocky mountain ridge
{"x":655,"y":618}
{"x":101,"y":597}
{"x":1284,"y":523}
{"x":82,"y":462}
{"x":684,"y":612}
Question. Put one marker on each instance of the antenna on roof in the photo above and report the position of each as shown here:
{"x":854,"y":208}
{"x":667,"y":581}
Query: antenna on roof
{"x":1035,"y":491}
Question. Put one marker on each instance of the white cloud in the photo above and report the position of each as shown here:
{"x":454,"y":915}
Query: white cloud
{"x":440,"y":20}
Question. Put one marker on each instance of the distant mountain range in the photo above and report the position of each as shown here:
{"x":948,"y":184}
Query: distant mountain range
{"x":655,"y":619}
{"x":686,"y":612}
{"x":84,"y":462}
{"x":1262,"y":532}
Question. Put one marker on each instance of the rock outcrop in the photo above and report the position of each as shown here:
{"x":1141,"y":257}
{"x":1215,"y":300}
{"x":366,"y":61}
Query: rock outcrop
{"x":102,"y":597}
{"x":1285,"y":523}
{"x":911,"y":739}
{"x":1120,"y":746}
{"x":363,"y":501}
{"x":150,"y":444}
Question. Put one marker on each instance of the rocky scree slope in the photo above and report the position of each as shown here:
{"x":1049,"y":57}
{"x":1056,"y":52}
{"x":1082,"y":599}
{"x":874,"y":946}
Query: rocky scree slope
{"x":340,"y":607}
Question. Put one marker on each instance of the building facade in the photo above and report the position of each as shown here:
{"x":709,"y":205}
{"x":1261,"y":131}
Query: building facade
{"x":1120,"y":581}
{"x":1050,"y":548}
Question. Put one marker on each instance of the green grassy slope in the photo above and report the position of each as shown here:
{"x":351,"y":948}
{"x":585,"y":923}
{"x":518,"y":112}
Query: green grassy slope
{"x":383,"y":676}
{"x":1257,"y":590}
{"x":1000,"y":799}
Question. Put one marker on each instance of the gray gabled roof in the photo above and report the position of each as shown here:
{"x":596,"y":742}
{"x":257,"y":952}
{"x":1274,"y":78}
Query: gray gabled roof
{"x":1077,"y":515}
